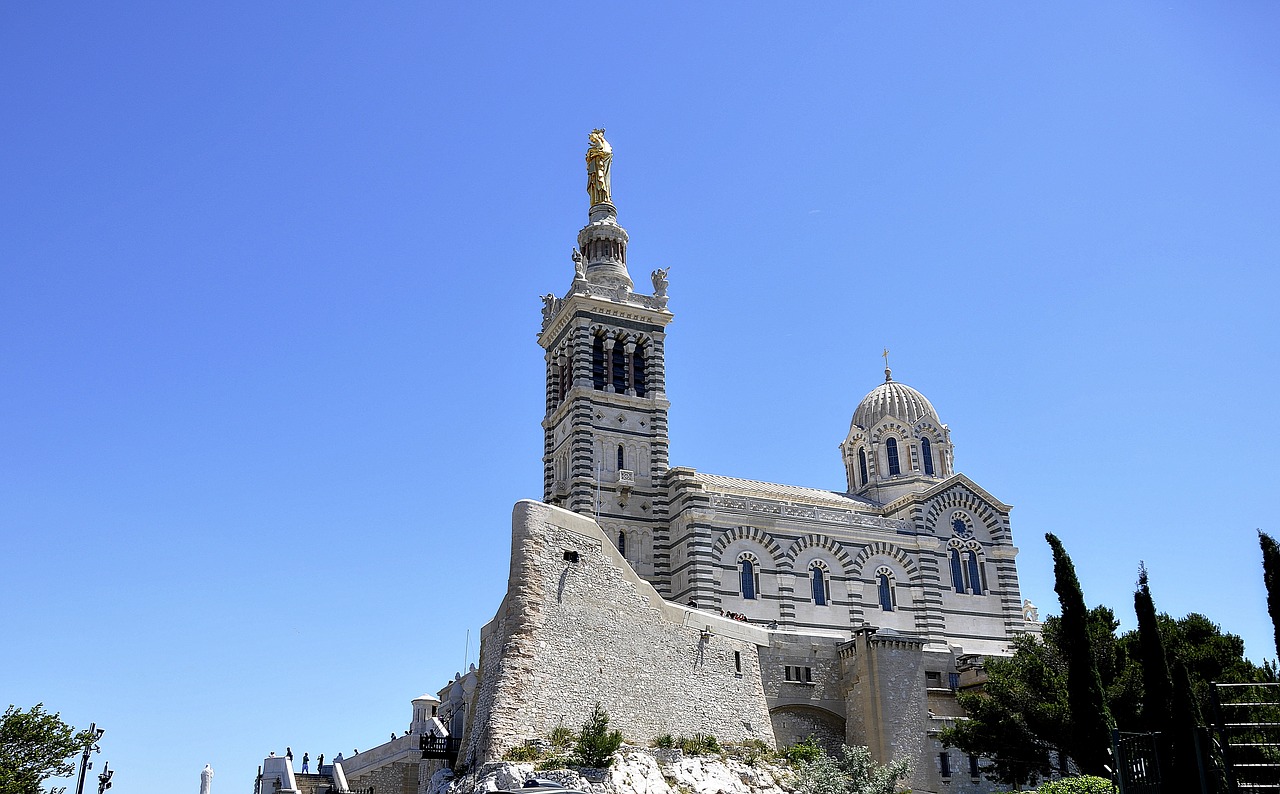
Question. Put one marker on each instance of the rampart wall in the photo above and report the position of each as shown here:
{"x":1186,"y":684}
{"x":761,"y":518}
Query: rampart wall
{"x":578,"y":626}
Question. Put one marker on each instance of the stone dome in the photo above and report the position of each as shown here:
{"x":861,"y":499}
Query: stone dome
{"x":893,"y":399}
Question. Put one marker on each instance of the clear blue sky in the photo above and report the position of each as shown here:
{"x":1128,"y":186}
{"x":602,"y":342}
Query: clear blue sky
{"x":271,"y":277}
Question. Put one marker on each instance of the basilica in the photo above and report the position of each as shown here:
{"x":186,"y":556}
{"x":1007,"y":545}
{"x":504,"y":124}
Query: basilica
{"x":855,"y":615}
{"x":686,"y":602}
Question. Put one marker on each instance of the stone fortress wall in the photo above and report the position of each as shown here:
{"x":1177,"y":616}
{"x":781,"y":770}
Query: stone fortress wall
{"x":579,"y":626}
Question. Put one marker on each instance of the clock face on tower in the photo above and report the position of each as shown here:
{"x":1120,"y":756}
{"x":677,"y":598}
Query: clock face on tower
{"x":960,"y":528}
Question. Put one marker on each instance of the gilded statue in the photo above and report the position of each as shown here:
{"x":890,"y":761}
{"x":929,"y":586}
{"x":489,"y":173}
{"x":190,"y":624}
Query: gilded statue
{"x":599,"y":164}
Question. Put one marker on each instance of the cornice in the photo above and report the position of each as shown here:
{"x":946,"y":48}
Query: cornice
{"x":620,"y":304}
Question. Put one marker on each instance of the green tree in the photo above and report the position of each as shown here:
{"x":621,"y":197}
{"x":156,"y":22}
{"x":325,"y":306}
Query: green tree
{"x":853,"y":772}
{"x":1169,"y":707}
{"x":596,"y":743}
{"x":1157,"y":683}
{"x":1020,"y":717}
{"x":1090,"y":718}
{"x":35,"y":746}
{"x":1019,"y":721}
{"x":1271,"y":577}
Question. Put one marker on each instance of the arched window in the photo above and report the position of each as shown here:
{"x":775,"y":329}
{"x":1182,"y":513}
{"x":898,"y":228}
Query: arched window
{"x":862,"y":464}
{"x":926,"y":452}
{"x":597,"y":363}
{"x":818,"y":584}
{"x":884,"y":587}
{"x":891,"y":449}
{"x":747,"y":578}
{"x":637,"y":366}
{"x":622,"y":543}
{"x":957,"y":571}
{"x":621,"y":458}
{"x":975,"y":577}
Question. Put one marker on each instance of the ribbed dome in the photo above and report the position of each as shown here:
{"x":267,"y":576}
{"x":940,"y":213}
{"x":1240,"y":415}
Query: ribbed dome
{"x":893,"y":399}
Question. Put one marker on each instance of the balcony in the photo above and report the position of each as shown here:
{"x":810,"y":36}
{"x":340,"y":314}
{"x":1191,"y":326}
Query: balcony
{"x":445,"y":747}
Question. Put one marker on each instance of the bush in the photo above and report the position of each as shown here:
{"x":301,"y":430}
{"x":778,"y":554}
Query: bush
{"x":854,"y":772}
{"x":665,"y":741}
{"x":596,"y":743}
{"x":700,"y":744}
{"x":554,"y":762}
{"x":562,"y":738}
{"x":804,"y":752}
{"x":522,"y":754}
{"x":1085,"y":784}
{"x":753,"y":750}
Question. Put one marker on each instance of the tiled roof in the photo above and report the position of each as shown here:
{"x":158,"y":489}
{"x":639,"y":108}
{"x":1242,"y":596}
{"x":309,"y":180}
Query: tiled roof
{"x":784,"y":493}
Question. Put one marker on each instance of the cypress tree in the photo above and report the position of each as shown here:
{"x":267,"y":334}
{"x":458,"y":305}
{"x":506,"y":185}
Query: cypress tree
{"x":1183,"y":727}
{"x":1166,"y":709}
{"x":1090,"y":719}
{"x":1157,"y":684}
{"x":1271,"y":577}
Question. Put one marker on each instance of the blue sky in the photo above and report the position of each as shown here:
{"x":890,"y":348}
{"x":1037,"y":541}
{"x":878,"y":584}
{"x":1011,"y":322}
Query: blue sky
{"x":271,"y":278}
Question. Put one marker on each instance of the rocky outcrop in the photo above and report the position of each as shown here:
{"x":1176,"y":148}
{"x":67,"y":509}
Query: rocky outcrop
{"x":635,"y":771}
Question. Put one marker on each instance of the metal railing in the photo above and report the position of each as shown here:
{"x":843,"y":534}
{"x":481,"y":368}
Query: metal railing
{"x":1247,"y":722}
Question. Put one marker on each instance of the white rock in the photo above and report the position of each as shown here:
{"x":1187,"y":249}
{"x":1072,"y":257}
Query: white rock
{"x":635,"y":771}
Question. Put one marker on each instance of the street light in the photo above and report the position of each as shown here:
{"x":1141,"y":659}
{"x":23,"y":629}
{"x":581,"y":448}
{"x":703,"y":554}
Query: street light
{"x":85,"y":764}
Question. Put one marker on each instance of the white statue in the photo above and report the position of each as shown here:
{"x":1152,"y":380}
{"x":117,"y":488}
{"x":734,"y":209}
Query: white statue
{"x":548,"y":306}
{"x":206,"y":779}
{"x":579,"y":266}
{"x":1029,"y":612}
{"x":660,"y":281}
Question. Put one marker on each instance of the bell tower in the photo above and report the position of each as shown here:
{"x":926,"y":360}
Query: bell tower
{"x":605,"y":451}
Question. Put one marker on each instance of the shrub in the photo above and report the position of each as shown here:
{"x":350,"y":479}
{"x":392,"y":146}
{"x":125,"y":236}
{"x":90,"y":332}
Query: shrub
{"x":700,"y":744}
{"x":854,"y":772}
{"x":596,"y":743}
{"x":521,"y":754}
{"x":665,"y":741}
{"x":804,"y":752}
{"x":554,"y":762}
{"x":753,"y":750}
{"x":562,"y":738}
{"x":1085,"y":784}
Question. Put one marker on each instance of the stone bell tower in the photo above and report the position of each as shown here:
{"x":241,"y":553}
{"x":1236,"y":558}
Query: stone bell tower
{"x":605,"y":452}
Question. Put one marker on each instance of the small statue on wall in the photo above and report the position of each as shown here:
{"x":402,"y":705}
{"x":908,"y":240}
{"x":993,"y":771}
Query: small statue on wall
{"x":548,"y":306}
{"x":660,"y":281}
{"x":1029,"y":612}
{"x":579,"y":266}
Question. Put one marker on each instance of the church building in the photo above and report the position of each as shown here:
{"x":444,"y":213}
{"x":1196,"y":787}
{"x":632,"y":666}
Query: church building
{"x":689,"y":602}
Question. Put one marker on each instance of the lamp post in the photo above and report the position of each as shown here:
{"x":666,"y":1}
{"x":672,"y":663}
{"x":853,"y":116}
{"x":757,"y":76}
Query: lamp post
{"x":92,"y":746}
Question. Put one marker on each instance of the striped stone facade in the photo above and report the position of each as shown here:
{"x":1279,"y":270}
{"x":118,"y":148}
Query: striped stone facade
{"x":872,"y":600}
